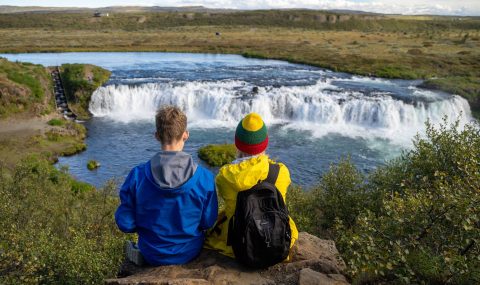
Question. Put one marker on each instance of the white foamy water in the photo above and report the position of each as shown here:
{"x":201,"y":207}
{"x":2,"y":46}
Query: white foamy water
{"x":321,"y":108}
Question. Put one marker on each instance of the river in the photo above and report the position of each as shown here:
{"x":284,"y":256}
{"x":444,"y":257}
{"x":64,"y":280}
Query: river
{"x":314,"y":116}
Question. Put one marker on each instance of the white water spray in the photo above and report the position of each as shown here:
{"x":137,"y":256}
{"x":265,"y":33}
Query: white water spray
{"x":322,"y":108}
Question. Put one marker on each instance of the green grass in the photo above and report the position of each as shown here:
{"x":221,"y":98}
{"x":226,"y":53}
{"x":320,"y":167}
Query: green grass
{"x":64,"y":140}
{"x":56,"y":122}
{"x":217,"y":155}
{"x":28,"y":80}
{"x":55,"y":229}
{"x":26,"y":89}
{"x":305,"y":19}
{"x":468,"y":87}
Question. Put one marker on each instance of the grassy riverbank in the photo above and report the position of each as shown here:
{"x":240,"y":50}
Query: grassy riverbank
{"x":445,"y":50}
{"x":25,"y":89}
{"x":55,"y":229}
{"x":29,"y":123}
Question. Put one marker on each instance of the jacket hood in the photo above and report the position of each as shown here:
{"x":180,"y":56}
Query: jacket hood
{"x":171,"y":169}
{"x":244,"y":173}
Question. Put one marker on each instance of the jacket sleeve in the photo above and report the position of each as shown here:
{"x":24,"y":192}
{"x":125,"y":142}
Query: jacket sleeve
{"x":210,"y":209}
{"x":283,"y":181}
{"x":125,"y":214}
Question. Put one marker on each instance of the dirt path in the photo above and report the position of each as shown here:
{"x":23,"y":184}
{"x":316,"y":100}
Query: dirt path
{"x":24,"y":127}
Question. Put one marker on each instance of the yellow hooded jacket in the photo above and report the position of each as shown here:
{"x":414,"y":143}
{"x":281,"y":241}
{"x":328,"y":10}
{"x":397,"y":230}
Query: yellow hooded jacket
{"x":233,"y":178}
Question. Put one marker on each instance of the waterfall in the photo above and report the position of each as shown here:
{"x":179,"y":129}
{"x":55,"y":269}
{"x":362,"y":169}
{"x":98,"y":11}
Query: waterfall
{"x":321,"y":107}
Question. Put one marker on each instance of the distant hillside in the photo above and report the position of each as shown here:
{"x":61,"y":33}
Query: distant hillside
{"x":5,"y":9}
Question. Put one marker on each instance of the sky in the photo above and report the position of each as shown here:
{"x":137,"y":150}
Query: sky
{"x":410,"y":7}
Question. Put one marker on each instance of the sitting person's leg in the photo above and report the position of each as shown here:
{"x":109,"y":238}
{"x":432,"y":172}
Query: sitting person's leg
{"x":133,"y":253}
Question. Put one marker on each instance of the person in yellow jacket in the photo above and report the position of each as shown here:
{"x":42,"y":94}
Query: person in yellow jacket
{"x":251,"y":166}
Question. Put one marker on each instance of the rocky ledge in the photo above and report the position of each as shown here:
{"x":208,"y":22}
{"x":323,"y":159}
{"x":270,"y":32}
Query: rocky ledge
{"x":314,"y":261}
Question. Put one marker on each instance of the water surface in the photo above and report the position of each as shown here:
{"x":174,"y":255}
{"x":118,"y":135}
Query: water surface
{"x":314,"y":116}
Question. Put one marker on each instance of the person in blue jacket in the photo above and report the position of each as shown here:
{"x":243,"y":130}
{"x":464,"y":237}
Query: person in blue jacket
{"x":170,"y":201}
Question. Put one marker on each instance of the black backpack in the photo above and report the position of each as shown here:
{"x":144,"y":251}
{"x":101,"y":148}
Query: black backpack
{"x":259,"y":232}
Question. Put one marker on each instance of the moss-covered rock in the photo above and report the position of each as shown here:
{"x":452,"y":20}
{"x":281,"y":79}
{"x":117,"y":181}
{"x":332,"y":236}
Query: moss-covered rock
{"x":93,"y":164}
{"x":217,"y":154}
{"x":80,"y":81}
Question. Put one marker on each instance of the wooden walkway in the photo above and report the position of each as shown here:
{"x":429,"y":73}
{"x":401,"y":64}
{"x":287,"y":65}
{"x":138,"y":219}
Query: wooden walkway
{"x":60,"y":98}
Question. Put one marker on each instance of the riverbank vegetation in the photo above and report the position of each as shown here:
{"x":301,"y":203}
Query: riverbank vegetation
{"x":414,"y":221}
{"x":444,"y":49}
{"x":49,"y":142}
{"x":56,"y":230}
{"x":25,"y":88}
{"x":80,"y":81}
{"x":29,"y":123}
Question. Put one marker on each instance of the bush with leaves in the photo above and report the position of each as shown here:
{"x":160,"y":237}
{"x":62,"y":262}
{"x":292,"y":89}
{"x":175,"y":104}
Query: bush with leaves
{"x":427,"y":227}
{"x":53,"y":231}
{"x":341,"y":194}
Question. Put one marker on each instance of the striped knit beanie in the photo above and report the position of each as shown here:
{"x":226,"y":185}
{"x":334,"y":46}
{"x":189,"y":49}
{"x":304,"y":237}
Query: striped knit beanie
{"x":251,"y":135}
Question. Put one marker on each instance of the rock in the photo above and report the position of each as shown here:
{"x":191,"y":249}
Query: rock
{"x":343,"y":18}
{"x":312,"y":277}
{"x":321,"y":18}
{"x":332,"y":19}
{"x":310,"y":247}
{"x":314,"y":261}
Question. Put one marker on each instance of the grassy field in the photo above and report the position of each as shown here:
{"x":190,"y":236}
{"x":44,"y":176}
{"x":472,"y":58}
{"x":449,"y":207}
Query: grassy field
{"x":444,"y":50}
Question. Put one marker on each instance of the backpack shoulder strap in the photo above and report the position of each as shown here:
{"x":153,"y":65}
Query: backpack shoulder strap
{"x":273,"y":171}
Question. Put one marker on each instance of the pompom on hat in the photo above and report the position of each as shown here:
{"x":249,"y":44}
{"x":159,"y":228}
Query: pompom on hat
{"x":251,"y":135}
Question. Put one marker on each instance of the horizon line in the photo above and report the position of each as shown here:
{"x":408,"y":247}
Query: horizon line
{"x":234,"y":9}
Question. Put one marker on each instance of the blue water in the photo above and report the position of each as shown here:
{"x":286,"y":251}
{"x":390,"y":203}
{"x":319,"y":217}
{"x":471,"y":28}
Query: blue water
{"x":314,"y":116}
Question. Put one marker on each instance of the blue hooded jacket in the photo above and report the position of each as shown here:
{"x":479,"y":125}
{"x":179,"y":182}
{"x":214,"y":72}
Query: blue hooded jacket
{"x":170,"y":222}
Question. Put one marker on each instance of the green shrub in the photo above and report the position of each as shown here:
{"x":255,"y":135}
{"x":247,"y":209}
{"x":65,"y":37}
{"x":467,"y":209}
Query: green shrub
{"x":340,"y":195}
{"x":217,"y":155}
{"x":79,"y":186}
{"x":93,"y":164}
{"x":302,"y":209}
{"x":53,"y":135}
{"x":56,"y":122}
{"x":54,"y":233}
{"x":415,"y":220}
{"x":427,"y":228}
